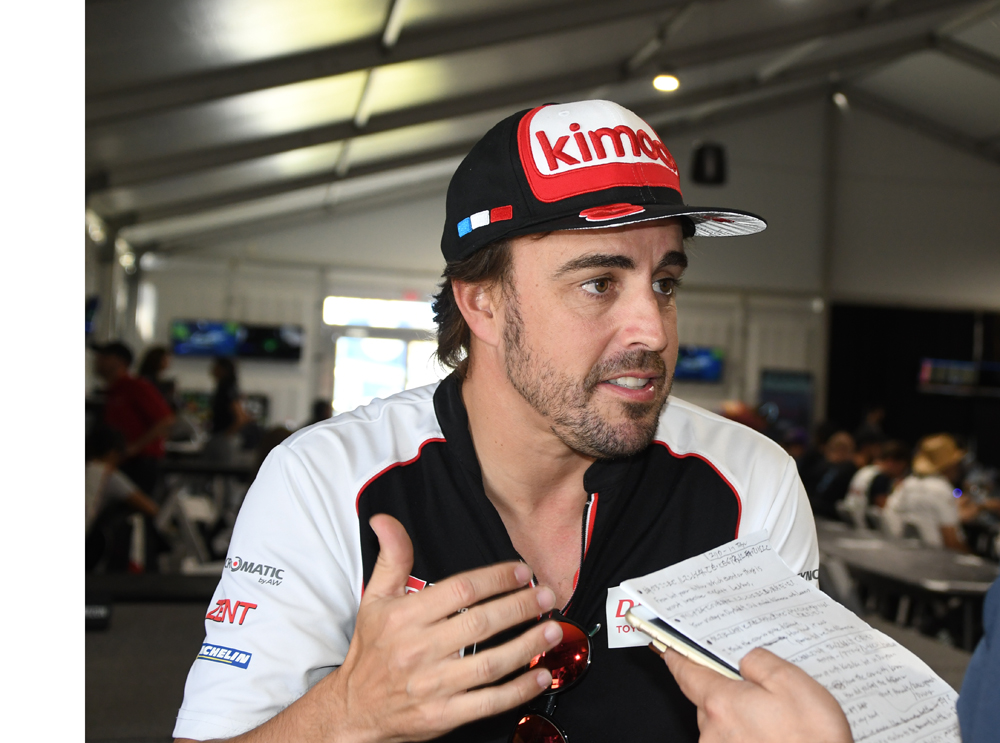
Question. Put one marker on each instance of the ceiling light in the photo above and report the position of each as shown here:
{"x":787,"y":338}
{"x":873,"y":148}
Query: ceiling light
{"x":840,"y":100}
{"x":666,"y":83}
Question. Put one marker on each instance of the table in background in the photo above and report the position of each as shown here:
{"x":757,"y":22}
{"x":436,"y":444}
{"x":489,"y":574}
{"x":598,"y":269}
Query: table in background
{"x":906,"y":568}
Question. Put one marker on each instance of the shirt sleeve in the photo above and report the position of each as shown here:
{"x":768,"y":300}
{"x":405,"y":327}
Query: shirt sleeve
{"x":946,"y":506}
{"x":791,"y":527}
{"x":283,"y":614}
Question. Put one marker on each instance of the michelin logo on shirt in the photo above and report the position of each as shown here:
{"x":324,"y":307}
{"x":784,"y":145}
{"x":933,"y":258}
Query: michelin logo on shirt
{"x":269,"y":575}
{"x":228,"y":656}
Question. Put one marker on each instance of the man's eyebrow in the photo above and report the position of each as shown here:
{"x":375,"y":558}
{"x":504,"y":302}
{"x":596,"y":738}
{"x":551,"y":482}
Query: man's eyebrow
{"x":595,"y":260}
{"x":673,"y":258}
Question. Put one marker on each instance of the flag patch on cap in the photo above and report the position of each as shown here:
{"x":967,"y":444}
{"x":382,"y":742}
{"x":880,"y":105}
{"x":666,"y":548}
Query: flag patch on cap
{"x":485,"y":217}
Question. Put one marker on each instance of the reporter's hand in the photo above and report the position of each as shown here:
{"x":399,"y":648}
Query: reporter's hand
{"x":776,"y":702}
{"x":403,"y":678}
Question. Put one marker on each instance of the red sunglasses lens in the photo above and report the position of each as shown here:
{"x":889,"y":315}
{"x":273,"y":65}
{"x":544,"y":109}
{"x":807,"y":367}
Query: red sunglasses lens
{"x":534,"y":728}
{"x":566,"y":661}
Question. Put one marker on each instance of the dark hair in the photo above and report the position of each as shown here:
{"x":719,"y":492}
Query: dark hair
{"x":102,"y":440}
{"x":152,"y":362}
{"x":490,"y":265}
{"x":228,"y":368}
{"x":895,"y":450}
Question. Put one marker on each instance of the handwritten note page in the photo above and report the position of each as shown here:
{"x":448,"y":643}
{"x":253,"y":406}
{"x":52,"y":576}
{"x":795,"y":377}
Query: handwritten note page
{"x":742,"y":596}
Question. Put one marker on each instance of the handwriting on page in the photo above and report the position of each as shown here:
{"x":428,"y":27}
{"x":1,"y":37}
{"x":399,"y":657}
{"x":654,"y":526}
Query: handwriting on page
{"x":742,"y":595}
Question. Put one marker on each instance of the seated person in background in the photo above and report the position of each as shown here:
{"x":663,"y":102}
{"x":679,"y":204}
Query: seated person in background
{"x":926,"y":499}
{"x":107,"y":490}
{"x":872,"y":484}
{"x":134,"y":407}
{"x":893,"y":463}
{"x":835,"y":475}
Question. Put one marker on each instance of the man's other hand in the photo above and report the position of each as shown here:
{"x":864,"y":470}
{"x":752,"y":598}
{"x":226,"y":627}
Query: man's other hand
{"x":776,"y":702}
{"x":404,"y":677}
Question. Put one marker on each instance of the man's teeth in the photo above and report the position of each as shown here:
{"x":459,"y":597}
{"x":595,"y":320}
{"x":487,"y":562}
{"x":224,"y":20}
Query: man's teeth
{"x":632,"y":383}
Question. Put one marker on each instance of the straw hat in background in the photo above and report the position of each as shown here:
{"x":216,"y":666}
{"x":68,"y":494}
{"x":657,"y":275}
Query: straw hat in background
{"x":936,"y":455}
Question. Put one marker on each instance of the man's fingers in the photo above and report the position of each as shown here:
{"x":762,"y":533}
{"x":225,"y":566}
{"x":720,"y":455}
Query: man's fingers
{"x":493,"y":700}
{"x":395,"y":558}
{"x":488,"y":618}
{"x":696,"y":681}
{"x":468,"y":589}
{"x":766,"y":669}
{"x":491,"y":665}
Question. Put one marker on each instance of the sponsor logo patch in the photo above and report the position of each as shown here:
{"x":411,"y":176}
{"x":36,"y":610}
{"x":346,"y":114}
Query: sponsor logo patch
{"x":267,"y":575}
{"x":577,"y":148}
{"x":229,"y":656}
{"x":226,"y":609}
{"x":413,"y":585}
{"x":621,"y":634}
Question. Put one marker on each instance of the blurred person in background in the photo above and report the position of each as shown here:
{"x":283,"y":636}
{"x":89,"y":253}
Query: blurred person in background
{"x":834,"y":475}
{"x":811,"y":462}
{"x":927,"y":500}
{"x":228,"y":415}
{"x":321,"y":410}
{"x":154,"y":363}
{"x":110,"y":497}
{"x":134,"y":407}
{"x":893,"y":464}
{"x":872,"y":484}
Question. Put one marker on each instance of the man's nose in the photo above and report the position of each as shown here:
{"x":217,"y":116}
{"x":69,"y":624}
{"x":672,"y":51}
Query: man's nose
{"x":644,"y":321}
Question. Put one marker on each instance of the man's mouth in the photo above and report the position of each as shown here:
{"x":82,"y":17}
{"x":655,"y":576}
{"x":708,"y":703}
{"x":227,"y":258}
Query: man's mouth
{"x":630,"y":383}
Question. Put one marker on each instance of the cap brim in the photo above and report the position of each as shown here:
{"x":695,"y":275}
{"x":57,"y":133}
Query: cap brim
{"x":708,"y":222}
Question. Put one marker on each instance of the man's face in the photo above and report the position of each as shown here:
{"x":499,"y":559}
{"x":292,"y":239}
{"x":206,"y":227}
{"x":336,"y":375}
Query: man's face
{"x":590,"y":331}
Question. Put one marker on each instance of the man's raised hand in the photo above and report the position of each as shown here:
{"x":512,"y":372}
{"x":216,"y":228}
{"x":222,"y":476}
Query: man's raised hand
{"x":403,"y":677}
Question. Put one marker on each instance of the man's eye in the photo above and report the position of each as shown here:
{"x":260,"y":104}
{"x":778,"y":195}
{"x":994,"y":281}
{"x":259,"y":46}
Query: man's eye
{"x":667,"y":287}
{"x":597,"y":286}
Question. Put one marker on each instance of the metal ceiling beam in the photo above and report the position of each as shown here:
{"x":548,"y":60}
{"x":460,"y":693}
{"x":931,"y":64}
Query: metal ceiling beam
{"x":126,"y":174}
{"x":831,"y":25}
{"x":968,"y":55}
{"x":107,"y":106}
{"x":228,"y":198}
{"x":523,"y":94}
{"x":724,"y":115}
{"x":908,"y":119}
{"x":817,"y":71}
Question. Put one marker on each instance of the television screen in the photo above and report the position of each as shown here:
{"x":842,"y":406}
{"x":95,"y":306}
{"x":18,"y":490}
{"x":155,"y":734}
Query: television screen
{"x":698,"y":364}
{"x":204,"y":337}
{"x":787,"y":395}
{"x":948,"y":376}
{"x":270,"y":342}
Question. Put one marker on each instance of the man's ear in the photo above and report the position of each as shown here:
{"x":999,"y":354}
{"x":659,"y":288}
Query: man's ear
{"x":478,"y":304}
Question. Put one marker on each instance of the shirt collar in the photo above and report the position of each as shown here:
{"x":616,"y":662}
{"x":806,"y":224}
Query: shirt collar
{"x":603,"y":476}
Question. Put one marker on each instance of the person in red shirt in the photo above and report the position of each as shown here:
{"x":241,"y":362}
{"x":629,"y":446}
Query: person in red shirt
{"x":134,"y":407}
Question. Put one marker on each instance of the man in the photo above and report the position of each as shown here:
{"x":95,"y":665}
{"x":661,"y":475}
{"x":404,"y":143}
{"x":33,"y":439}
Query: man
{"x":550,"y":457}
{"x":134,"y":407}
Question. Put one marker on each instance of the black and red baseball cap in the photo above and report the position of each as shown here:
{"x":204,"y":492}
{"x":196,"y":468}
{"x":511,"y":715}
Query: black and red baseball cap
{"x":571,"y":166}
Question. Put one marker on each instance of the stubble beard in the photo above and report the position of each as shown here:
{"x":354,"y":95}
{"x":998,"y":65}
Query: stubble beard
{"x":569,"y":404}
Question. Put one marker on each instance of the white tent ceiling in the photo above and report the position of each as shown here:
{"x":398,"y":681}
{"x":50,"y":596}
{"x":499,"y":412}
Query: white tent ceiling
{"x":208,"y":115}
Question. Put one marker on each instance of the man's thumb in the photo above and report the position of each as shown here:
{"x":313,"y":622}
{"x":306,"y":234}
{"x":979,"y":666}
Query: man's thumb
{"x":395,"y":558}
